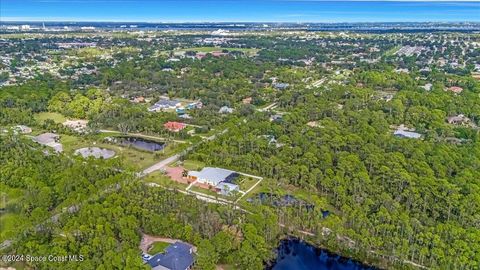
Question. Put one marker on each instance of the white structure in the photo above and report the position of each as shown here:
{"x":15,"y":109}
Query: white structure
{"x":212,"y":176}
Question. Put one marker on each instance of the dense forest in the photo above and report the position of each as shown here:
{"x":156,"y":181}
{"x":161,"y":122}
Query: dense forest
{"x":325,"y":136}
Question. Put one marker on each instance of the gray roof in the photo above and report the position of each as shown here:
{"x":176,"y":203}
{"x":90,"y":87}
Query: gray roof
{"x":214,"y":175}
{"x":225,"y":109}
{"x":177,"y":256}
{"x":280,"y":85}
{"x":227,"y":188}
{"x":167,"y":103}
{"x":407,"y":134}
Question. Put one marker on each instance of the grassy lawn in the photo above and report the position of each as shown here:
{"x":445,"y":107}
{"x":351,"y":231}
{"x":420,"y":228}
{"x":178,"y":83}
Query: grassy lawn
{"x":205,"y":191}
{"x":58,"y":118}
{"x":245,"y":182}
{"x":191,"y":164}
{"x":163,"y":180}
{"x":11,"y":224}
{"x":158,"y":247}
{"x":137,"y":158}
{"x":392,"y":51}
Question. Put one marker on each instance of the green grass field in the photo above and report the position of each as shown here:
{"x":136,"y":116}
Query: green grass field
{"x":137,"y":158}
{"x":195,"y":165}
{"x":163,"y":180}
{"x":245,"y":182}
{"x":158,"y":247}
{"x":58,"y":118}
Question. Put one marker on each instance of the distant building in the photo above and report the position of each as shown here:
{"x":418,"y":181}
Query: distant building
{"x":225,"y":110}
{"x":174,"y":126}
{"x":458,"y":120}
{"x":280,"y":86}
{"x":427,"y":87}
{"x":165,"y":104}
{"x":177,"y":256}
{"x":247,"y":100}
{"x":139,"y":99}
{"x":455,"y":89}
{"x":407,"y":134}
{"x":276,"y":118}
{"x":227,"y":189}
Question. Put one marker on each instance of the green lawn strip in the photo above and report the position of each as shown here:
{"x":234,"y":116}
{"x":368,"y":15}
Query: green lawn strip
{"x":163,"y":180}
{"x":139,"y":159}
{"x":11,"y":224}
{"x":158,"y":247}
{"x":56,"y":117}
{"x":245,"y":182}
{"x":191,"y":164}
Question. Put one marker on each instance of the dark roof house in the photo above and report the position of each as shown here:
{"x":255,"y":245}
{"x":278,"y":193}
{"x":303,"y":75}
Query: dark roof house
{"x":177,"y":256}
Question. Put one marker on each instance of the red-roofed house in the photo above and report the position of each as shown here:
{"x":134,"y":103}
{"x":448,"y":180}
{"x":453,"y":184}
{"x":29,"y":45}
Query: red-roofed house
{"x":218,"y":54}
{"x":174,"y":126}
{"x":455,"y":89}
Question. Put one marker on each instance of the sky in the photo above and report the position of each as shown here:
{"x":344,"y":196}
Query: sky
{"x":239,"y":10}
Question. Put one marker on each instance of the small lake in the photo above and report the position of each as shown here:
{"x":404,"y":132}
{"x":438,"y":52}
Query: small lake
{"x":294,"y":254}
{"x":141,"y":143}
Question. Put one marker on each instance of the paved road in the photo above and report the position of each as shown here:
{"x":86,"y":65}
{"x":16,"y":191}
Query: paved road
{"x":160,"y":165}
{"x":141,"y":135}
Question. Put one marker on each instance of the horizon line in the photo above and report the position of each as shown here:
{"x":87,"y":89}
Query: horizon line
{"x":182,"y":22}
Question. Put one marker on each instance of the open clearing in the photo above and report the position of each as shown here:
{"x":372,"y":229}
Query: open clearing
{"x":56,"y":117}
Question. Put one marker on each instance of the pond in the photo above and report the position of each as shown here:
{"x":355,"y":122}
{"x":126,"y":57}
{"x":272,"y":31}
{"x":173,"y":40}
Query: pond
{"x":141,"y":143}
{"x":294,"y":254}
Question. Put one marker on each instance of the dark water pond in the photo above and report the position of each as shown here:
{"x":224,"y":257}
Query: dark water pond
{"x":142,"y":143}
{"x":294,"y":254}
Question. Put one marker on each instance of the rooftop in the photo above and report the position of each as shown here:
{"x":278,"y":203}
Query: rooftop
{"x":213,"y":175}
{"x":177,"y":256}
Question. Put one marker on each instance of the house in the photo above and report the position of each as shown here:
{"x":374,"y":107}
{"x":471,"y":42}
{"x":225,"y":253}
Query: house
{"x":247,"y":100}
{"x":455,"y":89}
{"x":212,"y":176}
{"x":225,"y":110}
{"x":280,"y":86}
{"x":458,"y":120}
{"x":177,"y":256}
{"x":218,"y":54}
{"x":50,"y":140}
{"x":164,"y":104}
{"x":195,"y":105}
{"x":174,"y":126}
{"x":23,"y":129}
{"x":139,"y":99}
{"x":427,"y":87}
{"x":276,"y":118}
{"x":407,"y":134}
{"x":180,"y":110}
{"x":227,"y":189}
